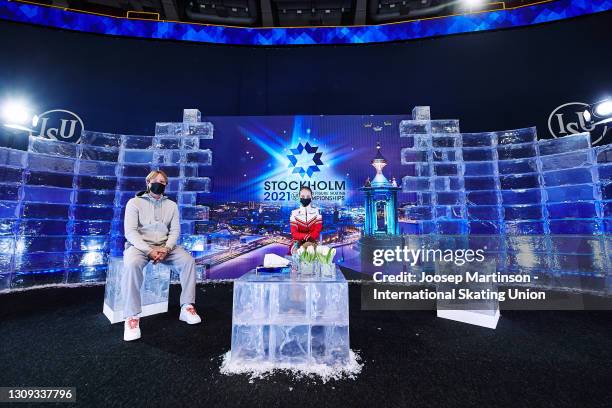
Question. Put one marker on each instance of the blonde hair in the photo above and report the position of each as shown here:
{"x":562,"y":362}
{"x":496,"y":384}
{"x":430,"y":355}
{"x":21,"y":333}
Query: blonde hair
{"x":154,"y":174}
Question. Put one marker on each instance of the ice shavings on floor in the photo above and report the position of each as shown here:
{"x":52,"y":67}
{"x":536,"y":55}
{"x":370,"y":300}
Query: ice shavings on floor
{"x":323,"y":372}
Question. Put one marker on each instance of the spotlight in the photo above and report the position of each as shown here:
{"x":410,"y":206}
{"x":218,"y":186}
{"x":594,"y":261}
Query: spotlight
{"x":604,"y":108}
{"x":16,"y":112}
{"x":473,"y":4}
{"x":599,"y":112}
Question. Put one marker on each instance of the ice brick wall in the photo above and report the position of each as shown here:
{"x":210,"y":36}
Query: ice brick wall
{"x":62,"y":204}
{"x":540,"y":207}
{"x":499,"y":182}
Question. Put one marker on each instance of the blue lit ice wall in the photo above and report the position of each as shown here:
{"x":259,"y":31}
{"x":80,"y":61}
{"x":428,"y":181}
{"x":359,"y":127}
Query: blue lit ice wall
{"x":502,"y":182}
{"x":524,"y":16}
{"x":62,"y":204}
{"x":539,"y":206}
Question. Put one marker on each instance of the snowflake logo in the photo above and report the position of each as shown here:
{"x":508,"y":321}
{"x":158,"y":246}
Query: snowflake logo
{"x":305,"y":159}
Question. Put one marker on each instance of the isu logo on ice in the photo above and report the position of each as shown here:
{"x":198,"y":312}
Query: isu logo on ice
{"x":58,"y":124}
{"x":567,"y":119}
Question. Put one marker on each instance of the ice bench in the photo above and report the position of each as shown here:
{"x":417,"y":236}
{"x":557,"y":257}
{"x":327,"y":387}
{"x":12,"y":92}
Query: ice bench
{"x":290,"y":319}
{"x":154,"y":291}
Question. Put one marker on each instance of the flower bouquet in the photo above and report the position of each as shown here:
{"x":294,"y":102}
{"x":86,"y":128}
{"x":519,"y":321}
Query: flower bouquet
{"x":307,"y":260}
{"x":325,"y":257}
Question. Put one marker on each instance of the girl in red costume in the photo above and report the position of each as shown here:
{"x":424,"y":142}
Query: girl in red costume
{"x":306,"y":221}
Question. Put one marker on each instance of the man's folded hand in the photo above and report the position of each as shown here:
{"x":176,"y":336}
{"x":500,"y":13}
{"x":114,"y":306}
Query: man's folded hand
{"x":163,"y":253}
{"x":158,"y":254}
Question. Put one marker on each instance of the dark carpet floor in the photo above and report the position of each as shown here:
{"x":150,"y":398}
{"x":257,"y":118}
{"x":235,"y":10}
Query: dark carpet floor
{"x":59,"y":337}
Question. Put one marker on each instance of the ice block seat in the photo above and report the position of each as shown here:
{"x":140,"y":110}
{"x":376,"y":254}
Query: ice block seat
{"x":154,"y":291}
{"x":288,"y":319}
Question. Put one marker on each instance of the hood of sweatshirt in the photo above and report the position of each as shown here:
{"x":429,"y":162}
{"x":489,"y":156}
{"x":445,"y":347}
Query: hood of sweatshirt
{"x":145,"y":194}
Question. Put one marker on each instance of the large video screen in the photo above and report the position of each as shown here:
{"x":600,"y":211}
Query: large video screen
{"x":259,"y":166}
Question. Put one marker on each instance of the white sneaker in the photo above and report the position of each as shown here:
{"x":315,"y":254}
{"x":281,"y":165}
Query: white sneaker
{"x":189,"y":315}
{"x":131,"y":329}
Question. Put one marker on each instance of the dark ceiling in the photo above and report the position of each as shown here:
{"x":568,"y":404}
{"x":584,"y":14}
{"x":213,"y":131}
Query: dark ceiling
{"x":285,"y":13}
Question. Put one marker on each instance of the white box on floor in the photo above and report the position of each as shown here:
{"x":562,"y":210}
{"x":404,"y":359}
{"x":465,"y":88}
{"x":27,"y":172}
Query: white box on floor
{"x":484,"y":318}
{"x":482,"y":311}
{"x":154,"y":291}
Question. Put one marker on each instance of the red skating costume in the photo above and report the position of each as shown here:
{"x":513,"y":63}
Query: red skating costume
{"x":306,"y":224}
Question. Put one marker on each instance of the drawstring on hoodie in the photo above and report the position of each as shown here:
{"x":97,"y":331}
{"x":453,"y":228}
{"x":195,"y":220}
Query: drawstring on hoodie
{"x":156,"y":209}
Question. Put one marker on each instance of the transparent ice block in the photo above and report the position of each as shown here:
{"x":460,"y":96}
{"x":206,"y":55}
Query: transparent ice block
{"x":445,"y":126}
{"x":192,"y":115}
{"x":203,"y":130}
{"x":518,"y":166}
{"x":12,"y":157}
{"x":137,"y":156}
{"x":43,"y":178}
{"x":479,"y":154}
{"x":521,"y":151}
{"x":202,"y":157}
{"x":96,"y":168}
{"x":478,"y":139}
{"x":100,"y":139}
{"x":526,"y":135}
{"x":563,"y":177}
{"x":107,"y":154}
{"x":195,"y":212}
{"x":414,"y":127}
{"x":167,"y":142}
{"x":482,"y":312}
{"x":137,"y":142}
{"x":153,"y":293}
{"x":290,"y":319}
{"x":567,"y":160}
{"x":565,"y":144}
{"x":52,"y":147}
{"x":168,"y":129}
{"x":421,"y":113}
{"x":197,"y":184}
{"x":43,"y":162}
{"x":56,"y":195}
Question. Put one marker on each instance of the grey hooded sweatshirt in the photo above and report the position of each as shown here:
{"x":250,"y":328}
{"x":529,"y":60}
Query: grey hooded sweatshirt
{"x":150,"y":222}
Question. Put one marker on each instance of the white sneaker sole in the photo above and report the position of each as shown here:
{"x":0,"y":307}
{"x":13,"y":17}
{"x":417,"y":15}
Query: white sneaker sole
{"x":131,"y":336}
{"x":188,"y":322}
{"x":131,"y":339}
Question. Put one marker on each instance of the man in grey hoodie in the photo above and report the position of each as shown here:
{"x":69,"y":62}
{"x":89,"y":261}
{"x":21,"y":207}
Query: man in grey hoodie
{"x":152,"y":229}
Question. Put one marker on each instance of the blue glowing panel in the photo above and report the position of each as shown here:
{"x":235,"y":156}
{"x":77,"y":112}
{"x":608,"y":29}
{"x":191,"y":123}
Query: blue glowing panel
{"x":62,"y":205}
{"x":536,"y":14}
{"x":503,"y":182}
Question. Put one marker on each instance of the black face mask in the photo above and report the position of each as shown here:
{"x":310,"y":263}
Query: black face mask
{"x":305,"y":201}
{"x":157,"y":188}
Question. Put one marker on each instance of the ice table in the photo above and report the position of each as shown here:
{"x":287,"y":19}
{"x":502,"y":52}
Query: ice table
{"x":154,"y":291}
{"x":290,"y":320}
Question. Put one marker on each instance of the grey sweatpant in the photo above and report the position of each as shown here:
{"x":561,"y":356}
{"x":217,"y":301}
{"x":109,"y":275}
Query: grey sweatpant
{"x":134,"y":261}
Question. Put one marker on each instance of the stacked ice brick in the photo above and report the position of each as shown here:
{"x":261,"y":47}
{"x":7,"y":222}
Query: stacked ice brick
{"x":58,"y":226}
{"x":154,"y":293}
{"x":604,"y":168}
{"x":175,"y":149}
{"x":61,"y":204}
{"x":283,"y":320}
{"x":541,"y":199}
{"x":435,"y":176}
